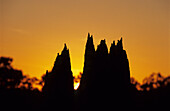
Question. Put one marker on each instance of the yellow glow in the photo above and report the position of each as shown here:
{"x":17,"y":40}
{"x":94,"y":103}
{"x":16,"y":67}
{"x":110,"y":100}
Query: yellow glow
{"x":76,"y":85}
{"x":32,"y":32}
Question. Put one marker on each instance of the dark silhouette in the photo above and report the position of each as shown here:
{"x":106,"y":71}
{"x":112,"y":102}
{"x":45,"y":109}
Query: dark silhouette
{"x":96,"y":92}
{"x":16,"y":90}
{"x":9,"y":77}
{"x":58,"y":88}
{"x":105,"y":84}
{"x":153,"y":94}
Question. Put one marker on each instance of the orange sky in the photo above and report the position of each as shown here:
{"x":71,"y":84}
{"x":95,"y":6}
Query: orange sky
{"x":34,"y":31}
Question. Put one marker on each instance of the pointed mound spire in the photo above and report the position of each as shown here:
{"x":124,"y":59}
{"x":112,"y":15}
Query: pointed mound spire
{"x":112,"y":48}
{"x":88,"y":35}
{"x":91,"y":36}
{"x":65,"y":50}
{"x":112,"y":45}
{"x":89,"y":44}
{"x":65,"y":46}
{"x":119,"y":44}
{"x":88,"y":69}
{"x":102,"y":48}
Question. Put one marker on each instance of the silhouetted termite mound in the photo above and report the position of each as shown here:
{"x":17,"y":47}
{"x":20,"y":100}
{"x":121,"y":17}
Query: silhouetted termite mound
{"x":58,"y":88}
{"x":104,"y":84}
{"x":106,"y":76}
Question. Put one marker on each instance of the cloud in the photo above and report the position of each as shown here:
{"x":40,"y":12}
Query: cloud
{"x":17,"y":30}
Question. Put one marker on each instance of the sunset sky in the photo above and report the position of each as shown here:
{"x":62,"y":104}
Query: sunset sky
{"x":32,"y":32}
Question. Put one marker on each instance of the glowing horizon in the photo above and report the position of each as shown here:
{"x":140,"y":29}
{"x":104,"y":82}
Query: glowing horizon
{"x":33,"y":32}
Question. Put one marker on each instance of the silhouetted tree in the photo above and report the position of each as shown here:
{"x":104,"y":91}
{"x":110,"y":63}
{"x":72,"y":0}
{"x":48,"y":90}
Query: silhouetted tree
{"x":31,"y":83}
{"x":9,"y":77}
{"x":152,"y":94}
{"x":16,"y":90}
{"x":154,"y":81}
